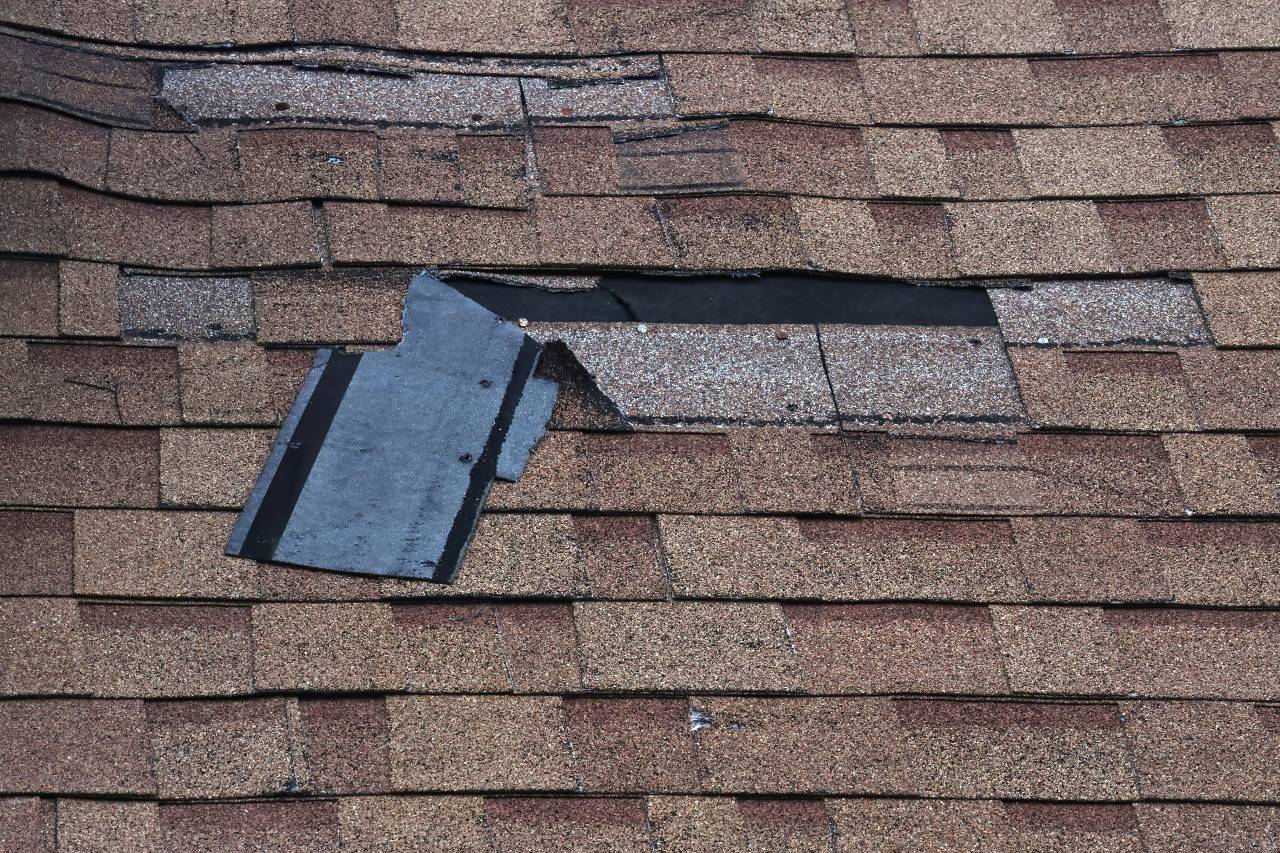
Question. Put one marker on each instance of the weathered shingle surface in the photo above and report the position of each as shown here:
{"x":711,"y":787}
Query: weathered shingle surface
{"x":1007,"y":587}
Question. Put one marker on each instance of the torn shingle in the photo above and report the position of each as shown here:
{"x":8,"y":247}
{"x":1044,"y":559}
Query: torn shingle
{"x":369,"y":474}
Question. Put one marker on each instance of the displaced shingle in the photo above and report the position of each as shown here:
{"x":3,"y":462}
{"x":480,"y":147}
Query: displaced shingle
{"x":479,"y":743}
{"x":942,"y":374}
{"x":107,"y":228}
{"x":684,"y":646}
{"x":215,"y":749}
{"x":210,"y":467}
{"x":141,"y":650}
{"x":150,"y":554}
{"x":1243,"y":308}
{"x":1150,"y":311}
{"x":89,"y":746}
{"x":78,"y":466}
{"x":704,"y":374}
{"x":875,"y":648}
{"x":80,"y":156}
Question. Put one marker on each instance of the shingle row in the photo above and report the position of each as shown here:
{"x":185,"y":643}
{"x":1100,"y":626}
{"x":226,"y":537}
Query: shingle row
{"x":1101,"y":751}
{"x":913,"y":240}
{"x":682,"y":824}
{"x":65,"y":647}
{"x":424,"y":165}
{"x":593,"y":26}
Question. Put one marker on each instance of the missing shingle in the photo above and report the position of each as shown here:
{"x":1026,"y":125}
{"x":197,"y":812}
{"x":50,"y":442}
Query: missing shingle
{"x":765,"y":299}
{"x":386,"y":457}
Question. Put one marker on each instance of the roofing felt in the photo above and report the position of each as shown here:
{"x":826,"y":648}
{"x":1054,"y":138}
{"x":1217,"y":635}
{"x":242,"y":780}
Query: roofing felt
{"x":786,"y":572}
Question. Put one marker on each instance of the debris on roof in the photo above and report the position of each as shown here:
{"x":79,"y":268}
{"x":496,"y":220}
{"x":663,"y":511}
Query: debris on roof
{"x":385,"y":459}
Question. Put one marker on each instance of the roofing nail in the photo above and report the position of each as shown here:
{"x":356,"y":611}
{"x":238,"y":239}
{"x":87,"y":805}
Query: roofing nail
{"x":642,"y":328}
{"x":522,"y":323}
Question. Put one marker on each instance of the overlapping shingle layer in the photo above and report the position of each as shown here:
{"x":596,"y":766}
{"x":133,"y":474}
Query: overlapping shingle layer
{"x":999,"y":588}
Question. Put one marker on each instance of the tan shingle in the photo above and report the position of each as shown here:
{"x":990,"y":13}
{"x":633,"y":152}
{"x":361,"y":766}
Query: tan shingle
{"x":1243,"y":308}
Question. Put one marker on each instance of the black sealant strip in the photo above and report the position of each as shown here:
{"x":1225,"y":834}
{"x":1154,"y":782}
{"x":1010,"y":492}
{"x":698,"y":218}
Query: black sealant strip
{"x":766,"y":299}
{"x":304,"y":445}
{"x":485,"y":468}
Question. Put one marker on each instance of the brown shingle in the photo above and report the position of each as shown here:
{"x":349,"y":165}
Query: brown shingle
{"x":80,"y":155}
{"x":993,"y":26}
{"x":1021,"y":238}
{"x":1216,"y":563}
{"x":28,"y":297}
{"x":706,"y":84}
{"x":493,"y":171}
{"x":28,"y":824}
{"x":524,"y":825}
{"x":534,"y":25}
{"x":351,"y":647}
{"x":452,"y":824}
{"x":1053,"y":751}
{"x":74,"y":745}
{"x":601,"y":232}
{"x":78,"y":466}
{"x":88,"y":383}
{"x":901,"y":825}
{"x":210,"y":467}
{"x":798,"y":745}
{"x":684,"y":646}
{"x":632,"y":744}
{"x":914,"y":239}
{"x":141,"y":650}
{"x":883,"y":27}
{"x":331,"y":22}
{"x":1226,"y":158}
{"x":1187,"y":827}
{"x":1106,"y":475}
{"x":733,"y":232}
{"x":333,"y":306}
{"x":621,"y":555}
{"x":910,"y":163}
{"x":1104,"y":390}
{"x":1088,"y":559}
{"x":985,"y":163}
{"x":41,"y":638}
{"x":158,"y":555}
{"x":1098,"y":161}
{"x":813,"y":90}
{"x":576,"y":160}
{"x":1251,"y":74}
{"x":88,"y":305}
{"x":1249,"y":228}
{"x":239,"y":383}
{"x":1128,"y":90}
{"x":419,"y":164}
{"x":1234,"y":390}
{"x":793,"y":470}
{"x":801,"y":159}
{"x":799,"y":26}
{"x":876,"y":648}
{"x":264,"y":235}
{"x":1160,"y":235}
{"x":181,"y":166}
{"x":1220,"y":475}
{"x":1058,"y":650}
{"x":479,"y":742}
{"x":345,"y":743}
{"x":1205,"y":750}
{"x":227,"y":748}
{"x":1250,"y":24}
{"x":952,"y":91}
{"x":782,"y":558}
{"x":541,"y":647}
{"x":1243,"y":307}
{"x":106,"y":228}
{"x":290,"y":827}
{"x":1106,"y":26}
{"x":292,"y":163}
{"x":38,"y":546}
{"x":611,"y":26}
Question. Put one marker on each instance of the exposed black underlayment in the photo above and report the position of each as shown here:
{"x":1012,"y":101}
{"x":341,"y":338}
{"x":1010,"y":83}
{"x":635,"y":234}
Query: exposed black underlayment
{"x":767,"y":298}
{"x":385,"y":459}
